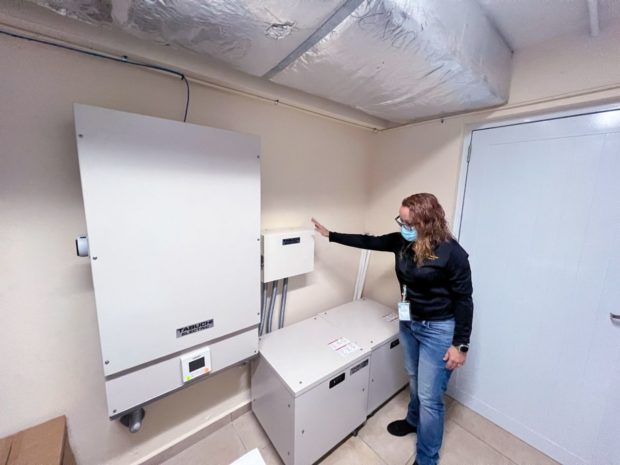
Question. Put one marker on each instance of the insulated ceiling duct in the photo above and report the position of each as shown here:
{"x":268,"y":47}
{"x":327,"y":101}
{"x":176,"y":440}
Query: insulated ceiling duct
{"x":400,"y":60}
{"x":404,"y":60}
{"x":251,"y":35}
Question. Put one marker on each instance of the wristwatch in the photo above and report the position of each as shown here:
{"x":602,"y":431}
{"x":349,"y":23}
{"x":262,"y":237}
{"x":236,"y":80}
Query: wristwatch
{"x":463,"y":348}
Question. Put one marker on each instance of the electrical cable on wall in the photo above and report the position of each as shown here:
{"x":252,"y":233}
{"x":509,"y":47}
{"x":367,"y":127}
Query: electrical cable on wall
{"x":109,"y":57}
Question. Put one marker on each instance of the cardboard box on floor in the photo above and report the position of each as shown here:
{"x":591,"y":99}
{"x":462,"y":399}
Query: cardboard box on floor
{"x":44,"y":444}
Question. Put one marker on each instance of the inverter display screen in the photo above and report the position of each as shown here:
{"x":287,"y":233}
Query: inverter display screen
{"x":196,"y":364}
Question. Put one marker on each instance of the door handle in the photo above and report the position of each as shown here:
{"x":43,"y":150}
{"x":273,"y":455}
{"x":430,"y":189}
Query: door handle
{"x":613,"y":316}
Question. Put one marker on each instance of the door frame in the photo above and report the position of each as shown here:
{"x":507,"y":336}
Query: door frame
{"x":503,"y":122}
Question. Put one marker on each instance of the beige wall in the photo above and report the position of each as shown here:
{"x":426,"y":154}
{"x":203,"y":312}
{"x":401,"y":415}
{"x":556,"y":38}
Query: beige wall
{"x":427,"y":156}
{"x":50,"y":360}
{"x":348,"y":178}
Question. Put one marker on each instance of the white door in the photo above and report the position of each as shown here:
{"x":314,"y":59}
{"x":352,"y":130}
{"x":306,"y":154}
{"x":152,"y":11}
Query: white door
{"x":607,"y":447}
{"x":541,"y":222}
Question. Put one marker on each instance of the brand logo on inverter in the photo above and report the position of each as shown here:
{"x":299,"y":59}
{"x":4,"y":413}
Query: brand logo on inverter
{"x":185,"y":330}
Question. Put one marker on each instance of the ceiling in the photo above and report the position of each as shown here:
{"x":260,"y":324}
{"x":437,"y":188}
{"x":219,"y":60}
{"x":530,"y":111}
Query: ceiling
{"x":353,"y":53}
{"x":527,"y":23}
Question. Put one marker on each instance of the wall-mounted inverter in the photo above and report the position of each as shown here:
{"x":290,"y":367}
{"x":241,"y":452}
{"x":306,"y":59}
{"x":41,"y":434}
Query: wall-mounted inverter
{"x":309,"y":388}
{"x":376,"y":327}
{"x":176,"y":280}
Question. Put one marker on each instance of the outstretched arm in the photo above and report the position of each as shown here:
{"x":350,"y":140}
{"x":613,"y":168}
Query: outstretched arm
{"x":386,"y":243}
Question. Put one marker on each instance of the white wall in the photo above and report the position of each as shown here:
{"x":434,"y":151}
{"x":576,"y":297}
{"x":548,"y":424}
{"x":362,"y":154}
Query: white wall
{"x":567,"y":65}
{"x":427,"y":156}
{"x":50,"y":361}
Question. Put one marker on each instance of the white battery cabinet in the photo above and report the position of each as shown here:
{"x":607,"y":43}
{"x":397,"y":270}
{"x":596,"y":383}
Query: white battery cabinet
{"x":176,"y":280}
{"x":375,"y":327}
{"x":309,"y":389}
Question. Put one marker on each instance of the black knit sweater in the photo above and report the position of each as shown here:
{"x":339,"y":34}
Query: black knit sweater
{"x":438,"y":290}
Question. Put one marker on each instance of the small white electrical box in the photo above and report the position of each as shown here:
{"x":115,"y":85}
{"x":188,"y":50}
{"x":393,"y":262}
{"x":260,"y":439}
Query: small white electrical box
{"x":196,"y":364}
{"x":286,"y":253}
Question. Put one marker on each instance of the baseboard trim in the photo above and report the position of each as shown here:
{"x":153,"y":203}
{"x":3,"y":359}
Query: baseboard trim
{"x":517,"y":429}
{"x":192,"y":437}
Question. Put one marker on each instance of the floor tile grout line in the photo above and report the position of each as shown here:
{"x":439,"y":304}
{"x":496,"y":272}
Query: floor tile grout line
{"x":232,"y":423}
{"x":485,"y":442}
{"x":506,"y":431}
{"x":379,"y":455}
{"x":259,"y":447}
{"x":372,"y":450}
{"x":366,"y":444}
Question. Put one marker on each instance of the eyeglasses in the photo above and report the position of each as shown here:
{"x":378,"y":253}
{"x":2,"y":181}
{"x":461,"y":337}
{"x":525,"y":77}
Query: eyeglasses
{"x":402,"y":224}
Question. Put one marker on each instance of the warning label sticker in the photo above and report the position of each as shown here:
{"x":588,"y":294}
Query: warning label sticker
{"x":343,"y":346}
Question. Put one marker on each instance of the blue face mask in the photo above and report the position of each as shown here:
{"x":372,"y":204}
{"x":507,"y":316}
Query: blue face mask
{"x":410,"y":234}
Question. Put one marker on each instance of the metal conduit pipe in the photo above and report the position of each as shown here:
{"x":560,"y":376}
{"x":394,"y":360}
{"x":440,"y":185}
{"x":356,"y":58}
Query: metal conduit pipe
{"x":267,"y":305}
{"x":283,"y":303}
{"x":272,"y":304}
{"x":263,"y":306}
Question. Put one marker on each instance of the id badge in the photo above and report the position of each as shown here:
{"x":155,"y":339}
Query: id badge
{"x":404,"y":313}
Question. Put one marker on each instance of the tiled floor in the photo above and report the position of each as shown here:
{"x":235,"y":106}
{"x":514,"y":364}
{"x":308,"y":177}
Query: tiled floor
{"x":469,"y":440}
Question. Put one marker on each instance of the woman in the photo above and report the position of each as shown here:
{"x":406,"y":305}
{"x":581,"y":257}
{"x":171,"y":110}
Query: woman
{"x":435,"y":311}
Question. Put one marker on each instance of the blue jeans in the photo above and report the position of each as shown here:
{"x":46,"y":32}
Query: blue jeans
{"x":424,"y":344}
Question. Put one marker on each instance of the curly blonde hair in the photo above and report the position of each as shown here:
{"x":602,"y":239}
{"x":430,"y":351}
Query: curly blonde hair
{"x":429,"y":220}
